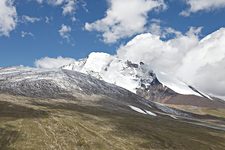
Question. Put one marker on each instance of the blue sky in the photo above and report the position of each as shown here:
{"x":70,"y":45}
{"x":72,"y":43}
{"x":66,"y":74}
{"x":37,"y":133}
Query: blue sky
{"x":43,"y":39}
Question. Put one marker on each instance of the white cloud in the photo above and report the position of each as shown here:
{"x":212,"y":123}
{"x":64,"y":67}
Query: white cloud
{"x":51,"y":63}
{"x":29,"y":19}
{"x":48,"y":19}
{"x":155,"y":28}
{"x":68,"y":6}
{"x":73,"y":19}
{"x":200,"y":63}
{"x":24,"y":34}
{"x":52,"y":2}
{"x":202,"y":5}
{"x":159,"y":54}
{"x":8,"y":17}
{"x":124,"y":18}
{"x":204,"y":65}
{"x":65,"y":32}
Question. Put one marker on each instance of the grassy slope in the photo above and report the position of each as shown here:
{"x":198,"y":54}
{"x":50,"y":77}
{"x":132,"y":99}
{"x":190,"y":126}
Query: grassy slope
{"x":27,"y":123}
{"x":201,"y":111}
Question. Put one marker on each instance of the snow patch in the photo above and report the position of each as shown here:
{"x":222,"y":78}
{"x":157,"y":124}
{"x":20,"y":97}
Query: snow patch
{"x":146,"y":112}
{"x":206,"y":95}
{"x":137,"y":109}
{"x":150,"y":113}
{"x":175,"y":84}
{"x":172,"y":116}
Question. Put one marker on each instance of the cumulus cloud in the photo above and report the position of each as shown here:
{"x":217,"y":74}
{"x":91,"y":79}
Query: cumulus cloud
{"x":200,"y":63}
{"x":8,"y":17}
{"x":155,"y":28}
{"x":124,"y":18}
{"x":69,"y":7}
{"x":204,"y":65}
{"x":52,"y":63}
{"x":64,"y":32}
{"x":159,"y":54}
{"x":202,"y":5}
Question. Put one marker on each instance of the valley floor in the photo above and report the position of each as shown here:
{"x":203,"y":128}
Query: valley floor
{"x":58,"y":124}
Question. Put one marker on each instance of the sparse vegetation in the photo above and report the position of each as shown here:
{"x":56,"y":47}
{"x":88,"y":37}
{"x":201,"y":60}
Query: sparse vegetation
{"x":217,"y":112}
{"x":27,"y":123}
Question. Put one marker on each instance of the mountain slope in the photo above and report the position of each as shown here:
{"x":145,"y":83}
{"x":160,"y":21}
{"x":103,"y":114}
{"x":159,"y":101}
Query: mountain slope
{"x":33,"y":123}
{"x":61,"y":109}
{"x":44,"y":83}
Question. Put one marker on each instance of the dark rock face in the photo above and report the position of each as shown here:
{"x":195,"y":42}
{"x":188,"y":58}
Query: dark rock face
{"x":132,"y":65}
{"x":155,"y":91}
{"x":158,"y":93}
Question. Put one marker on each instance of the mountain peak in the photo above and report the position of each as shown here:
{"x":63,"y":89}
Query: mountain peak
{"x":138,"y":78}
{"x":111,"y":69}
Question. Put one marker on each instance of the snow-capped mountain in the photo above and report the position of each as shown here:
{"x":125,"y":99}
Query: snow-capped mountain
{"x":126,"y":74}
{"x":137,"y":78}
{"x":113,"y":70}
{"x":54,"y":83}
{"x":78,"y":87}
